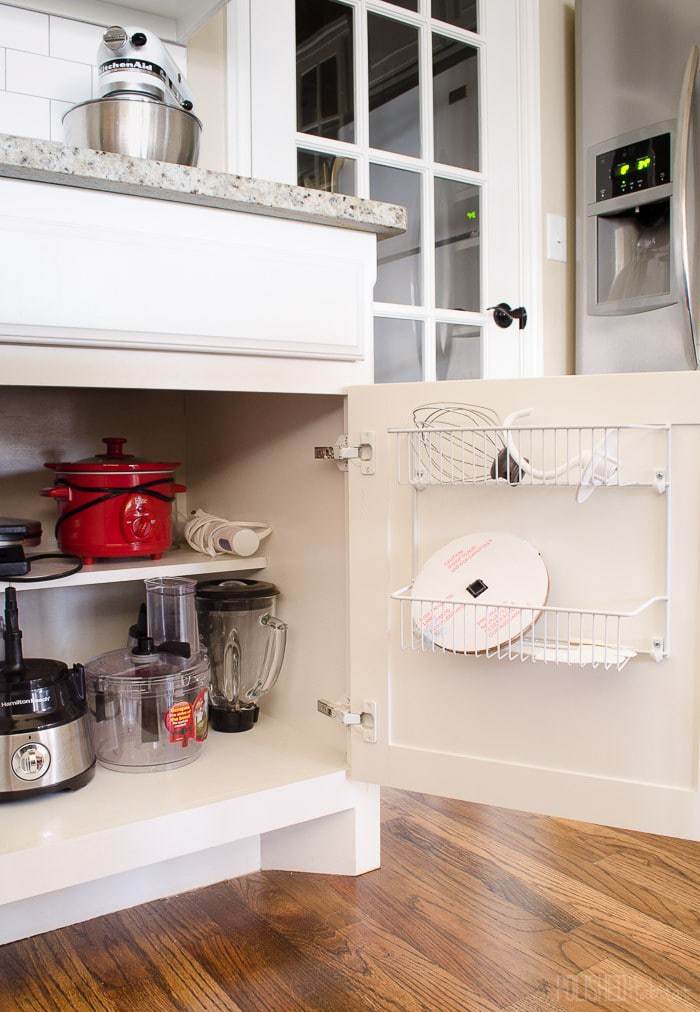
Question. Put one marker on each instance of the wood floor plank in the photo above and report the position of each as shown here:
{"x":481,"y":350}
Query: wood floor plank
{"x":537,"y":1002}
{"x":612,"y":987}
{"x":558,"y":845}
{"x":443,"y":926}
{"x":388,"y":972}
{"x":647,"y":952}
{"x":674,"y":879}
{"x":270,"y":972}
{"x":474,"y":910}
{"x":493,"y":875}
{"x":585,"y":902}
{"x":495,"y":963}
{"x":498,"y":936}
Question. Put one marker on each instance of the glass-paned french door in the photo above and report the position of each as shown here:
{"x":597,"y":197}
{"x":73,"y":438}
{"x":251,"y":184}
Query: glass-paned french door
{"x":391,"y":105}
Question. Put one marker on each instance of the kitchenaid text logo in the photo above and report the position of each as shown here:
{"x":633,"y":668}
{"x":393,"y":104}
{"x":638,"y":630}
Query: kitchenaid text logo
{"x":150,"y":68}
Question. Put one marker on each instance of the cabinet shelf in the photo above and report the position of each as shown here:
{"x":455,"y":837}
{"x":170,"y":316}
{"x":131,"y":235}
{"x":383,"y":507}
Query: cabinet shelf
{"x":243,"y":785}
{"x":576,"y":637}
{"x":584,"y":457}
{"x":177,"y":562}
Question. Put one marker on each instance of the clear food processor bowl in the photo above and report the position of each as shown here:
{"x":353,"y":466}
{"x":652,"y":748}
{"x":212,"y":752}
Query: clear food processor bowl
{"x":148,"y":714}
{"x":149,"y":703}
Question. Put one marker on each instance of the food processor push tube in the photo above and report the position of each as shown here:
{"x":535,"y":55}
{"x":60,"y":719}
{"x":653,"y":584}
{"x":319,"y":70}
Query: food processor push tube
{"x":172,"y":616}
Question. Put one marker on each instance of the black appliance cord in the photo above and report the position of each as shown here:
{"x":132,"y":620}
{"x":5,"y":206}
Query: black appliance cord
{"x":146,"y":488}
{"x":78,"y":565}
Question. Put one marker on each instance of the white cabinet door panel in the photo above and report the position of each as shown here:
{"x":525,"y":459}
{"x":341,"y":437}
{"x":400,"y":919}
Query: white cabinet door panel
{"x":109,"y":270}
{"x":608,"y":746}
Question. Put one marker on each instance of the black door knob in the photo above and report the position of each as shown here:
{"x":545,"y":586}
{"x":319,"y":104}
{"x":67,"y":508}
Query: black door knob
{"x":503,"y":315}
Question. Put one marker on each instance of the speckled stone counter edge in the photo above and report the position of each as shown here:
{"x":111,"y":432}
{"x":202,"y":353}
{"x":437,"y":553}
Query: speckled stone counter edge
{"x":50,"y":162}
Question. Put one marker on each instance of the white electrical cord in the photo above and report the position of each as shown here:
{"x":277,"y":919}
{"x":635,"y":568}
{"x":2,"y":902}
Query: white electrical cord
{"x":215,"y":536}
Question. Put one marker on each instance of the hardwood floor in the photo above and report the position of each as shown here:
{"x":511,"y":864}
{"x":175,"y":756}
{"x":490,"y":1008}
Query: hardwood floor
{"x":474,"y":908}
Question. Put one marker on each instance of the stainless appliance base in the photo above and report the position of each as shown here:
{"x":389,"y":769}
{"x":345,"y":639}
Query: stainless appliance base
{"x":66,"y":750}
{"x":74,"y":784}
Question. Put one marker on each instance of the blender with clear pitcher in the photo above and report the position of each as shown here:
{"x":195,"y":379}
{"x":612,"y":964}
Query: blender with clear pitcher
{"x":245,"y":643}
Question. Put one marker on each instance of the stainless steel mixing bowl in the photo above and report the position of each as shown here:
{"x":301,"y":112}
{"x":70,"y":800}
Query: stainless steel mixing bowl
{"x":138,"y":127}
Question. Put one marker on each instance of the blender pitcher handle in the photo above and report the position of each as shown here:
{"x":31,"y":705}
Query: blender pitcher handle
{"x":274,"y":655}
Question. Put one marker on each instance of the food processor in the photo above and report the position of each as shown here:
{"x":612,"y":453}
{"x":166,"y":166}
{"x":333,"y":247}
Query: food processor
{"x":148,"y":703}
{"x":246,"y":645}
{"x":45,"y":742}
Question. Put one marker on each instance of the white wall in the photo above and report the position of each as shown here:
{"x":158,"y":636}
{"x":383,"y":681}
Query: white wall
{"x":206,"y":59}
{"x":47,"y":64}
{"x":558,"y":117}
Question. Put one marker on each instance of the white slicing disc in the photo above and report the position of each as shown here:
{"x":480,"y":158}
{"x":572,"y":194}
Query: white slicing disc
{"x":458,"y":582}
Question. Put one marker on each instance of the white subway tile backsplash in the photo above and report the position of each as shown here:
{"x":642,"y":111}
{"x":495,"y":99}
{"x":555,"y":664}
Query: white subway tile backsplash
{"x":25,"y":115}
{"x":74,"y":40}
{"x":23,"y":30}
{"x":2,"y":69}
{"x":57,"y":111}
{"x":48,"y":77}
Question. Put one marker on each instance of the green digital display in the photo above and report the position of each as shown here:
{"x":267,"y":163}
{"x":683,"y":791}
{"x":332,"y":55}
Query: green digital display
{"x":644,"y":163}
{"x":471,"y":215}
{"x":623,"y":169}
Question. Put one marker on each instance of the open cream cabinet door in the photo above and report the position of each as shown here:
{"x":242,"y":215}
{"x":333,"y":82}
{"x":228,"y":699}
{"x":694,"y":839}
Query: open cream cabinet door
{"x":591,"y":713}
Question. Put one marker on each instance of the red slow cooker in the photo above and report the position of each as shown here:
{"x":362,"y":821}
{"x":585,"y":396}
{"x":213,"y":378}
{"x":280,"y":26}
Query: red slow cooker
{"x":114,"y":505}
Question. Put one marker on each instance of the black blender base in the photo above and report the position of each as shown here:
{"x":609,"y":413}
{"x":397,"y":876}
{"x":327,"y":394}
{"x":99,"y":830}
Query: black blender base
{"x":74,"y":784}
{"x":231,"y":721}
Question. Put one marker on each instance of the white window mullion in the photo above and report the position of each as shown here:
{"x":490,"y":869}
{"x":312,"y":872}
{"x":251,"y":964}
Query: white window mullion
{"x":459,"y":34}
{"x":487,"y":297}
{"x":388,"y":10}
{"x":396,"y":311}
{"x":327,"y":145}
{"x":362,"y":99}
{"x":428,"y":194}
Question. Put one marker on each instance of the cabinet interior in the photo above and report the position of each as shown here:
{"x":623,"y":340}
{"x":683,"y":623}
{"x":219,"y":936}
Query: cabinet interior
{"x":244,"y":456}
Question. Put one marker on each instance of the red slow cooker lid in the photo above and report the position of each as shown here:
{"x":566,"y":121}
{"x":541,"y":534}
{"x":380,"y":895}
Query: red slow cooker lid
{"x":114,"y":460}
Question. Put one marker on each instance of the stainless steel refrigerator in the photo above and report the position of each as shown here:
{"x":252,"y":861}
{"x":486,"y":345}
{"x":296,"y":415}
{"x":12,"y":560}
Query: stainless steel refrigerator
{"x":638,"y":150}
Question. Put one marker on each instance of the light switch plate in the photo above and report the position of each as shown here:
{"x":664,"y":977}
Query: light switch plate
{"x":556,"y":238}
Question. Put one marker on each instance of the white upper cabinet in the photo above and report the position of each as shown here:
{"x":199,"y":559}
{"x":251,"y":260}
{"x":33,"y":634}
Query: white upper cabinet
{"x":113,"y":254}
{"x":120,"y":272}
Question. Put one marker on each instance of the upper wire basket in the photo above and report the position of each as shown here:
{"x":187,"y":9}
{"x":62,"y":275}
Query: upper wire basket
{"x":442,"y":448}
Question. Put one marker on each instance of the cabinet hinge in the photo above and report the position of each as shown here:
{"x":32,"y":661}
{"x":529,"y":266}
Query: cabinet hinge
{"x":364,"y":722}
{"x":347,"y":448}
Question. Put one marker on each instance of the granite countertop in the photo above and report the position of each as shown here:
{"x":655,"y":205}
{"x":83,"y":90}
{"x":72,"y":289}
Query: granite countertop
{"x":49,"y":162}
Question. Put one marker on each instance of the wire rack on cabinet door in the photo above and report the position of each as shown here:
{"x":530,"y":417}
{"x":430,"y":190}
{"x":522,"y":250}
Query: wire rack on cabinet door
{"x":540,"y":456}
{"x":572,"y":636}
{"x":583,"y":457}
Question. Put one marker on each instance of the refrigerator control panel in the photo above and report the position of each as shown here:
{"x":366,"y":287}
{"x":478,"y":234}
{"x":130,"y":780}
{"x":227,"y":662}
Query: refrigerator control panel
{"x":634,"y":167}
